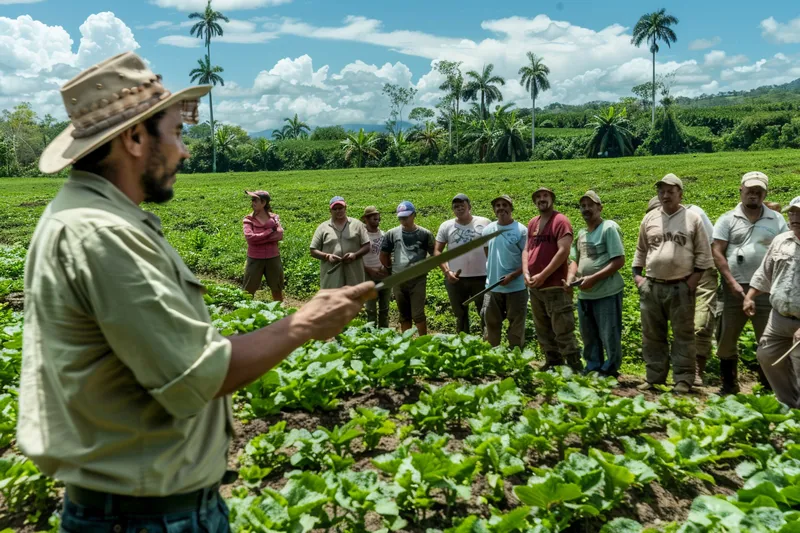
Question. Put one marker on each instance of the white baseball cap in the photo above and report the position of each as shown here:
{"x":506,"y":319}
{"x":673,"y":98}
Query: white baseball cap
{"x":755,"y":179}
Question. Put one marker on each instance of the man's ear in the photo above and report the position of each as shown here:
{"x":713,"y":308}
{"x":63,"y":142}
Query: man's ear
{"x":133,"y":140}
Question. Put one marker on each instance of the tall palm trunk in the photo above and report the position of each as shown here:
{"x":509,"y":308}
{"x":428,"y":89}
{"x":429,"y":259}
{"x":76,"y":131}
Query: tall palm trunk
{"x":533,"y":121}
{"x":654,"y":83}
{"x":483,"y":107}
{"x":211,"y":109}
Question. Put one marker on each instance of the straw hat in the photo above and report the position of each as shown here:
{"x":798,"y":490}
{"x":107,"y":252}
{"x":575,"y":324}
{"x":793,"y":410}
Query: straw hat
{"x":108,"y":98}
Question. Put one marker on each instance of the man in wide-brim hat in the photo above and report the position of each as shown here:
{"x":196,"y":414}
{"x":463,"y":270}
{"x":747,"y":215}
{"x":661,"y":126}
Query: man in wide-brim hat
{"x":125,"y":384}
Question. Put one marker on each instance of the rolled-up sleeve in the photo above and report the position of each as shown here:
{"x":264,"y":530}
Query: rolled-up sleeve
{"x":152,"y":321}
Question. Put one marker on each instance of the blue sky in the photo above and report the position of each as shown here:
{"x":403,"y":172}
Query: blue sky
{"x":327,"y":60}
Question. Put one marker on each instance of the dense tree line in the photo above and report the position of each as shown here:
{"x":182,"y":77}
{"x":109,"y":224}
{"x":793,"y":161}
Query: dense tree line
{"x":470,"y":124}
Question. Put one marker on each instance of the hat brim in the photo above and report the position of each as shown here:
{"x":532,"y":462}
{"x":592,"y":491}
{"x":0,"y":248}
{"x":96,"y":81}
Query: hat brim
{"x":405,"y":214}
{"x":501,"y":198}
{"x":662,"y":182}
{"x":791,"y":207}
{"x":65,"y":150}
{"x":590,"y":198}
{"x":755,"y":183}
{"x":334,"y":204}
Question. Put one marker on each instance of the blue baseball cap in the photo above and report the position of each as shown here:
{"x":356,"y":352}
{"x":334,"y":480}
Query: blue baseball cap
{"x":405,"y":209}
{"x":337,"y":200}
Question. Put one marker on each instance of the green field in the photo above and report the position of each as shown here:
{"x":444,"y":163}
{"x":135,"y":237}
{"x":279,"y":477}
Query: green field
{"x":203,"y":222}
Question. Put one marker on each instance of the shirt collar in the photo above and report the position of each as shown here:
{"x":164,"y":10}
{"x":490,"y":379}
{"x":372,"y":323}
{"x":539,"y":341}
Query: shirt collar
{"x":331,"y":224}
{"x":106,"y":189}
{"x":681,"y":207}
{"x":765,"y":212}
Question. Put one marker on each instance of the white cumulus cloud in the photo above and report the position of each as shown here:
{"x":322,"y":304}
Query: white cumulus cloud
{"x":104,"y":35}
{"x":703,"y":44}
{"x":779,"y":32}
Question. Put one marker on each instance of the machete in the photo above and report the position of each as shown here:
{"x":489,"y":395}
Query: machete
{"x":423,"y":267}
{"x":484,"y":291}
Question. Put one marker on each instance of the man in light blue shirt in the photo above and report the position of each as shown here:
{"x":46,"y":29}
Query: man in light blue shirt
{"x":509,"y":300}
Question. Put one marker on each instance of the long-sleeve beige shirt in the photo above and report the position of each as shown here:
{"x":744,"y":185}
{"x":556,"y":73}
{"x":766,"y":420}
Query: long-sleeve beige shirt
{"x":671,"y":247}
{"x":779,"y":274}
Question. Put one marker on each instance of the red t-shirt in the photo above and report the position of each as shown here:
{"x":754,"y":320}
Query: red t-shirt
{"x":543,"y":245}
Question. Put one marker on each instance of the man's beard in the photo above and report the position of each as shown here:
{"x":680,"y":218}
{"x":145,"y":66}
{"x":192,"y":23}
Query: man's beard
{"x":752,"y":205}
{"x":156,"y":177}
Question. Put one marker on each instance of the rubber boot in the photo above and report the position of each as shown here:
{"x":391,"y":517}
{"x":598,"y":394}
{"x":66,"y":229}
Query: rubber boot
{"x":729,"y":373}
{"x":762,"y":378}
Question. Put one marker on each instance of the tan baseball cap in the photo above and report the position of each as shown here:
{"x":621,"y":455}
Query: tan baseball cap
{"x":755,"y":179}
{"x":653,"y":203}
{"x":591,"y":195}
{"x":370,"y":210}
{"x":670,"y":179}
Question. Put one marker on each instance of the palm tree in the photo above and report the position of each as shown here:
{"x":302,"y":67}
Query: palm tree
{"x":428,"y":138}
{"x":507,"y":136}
{"x":208,"y":75}
{"x":296,"y":128}
{"x":534,"y":78}
{"x":454,"y":86}
{"x":651,"y":28}
{"x":208,"y":27}
{"x":360,"y":146}
{"x":263,"y":148}
{"x":479,"y":138}
{"x":484,"y":83}
{"x":281,"y":134}
{"x":611,"y":134}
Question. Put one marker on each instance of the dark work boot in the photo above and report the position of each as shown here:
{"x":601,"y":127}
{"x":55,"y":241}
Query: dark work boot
{"x":729,"y":373}
{"x":552,"y":360}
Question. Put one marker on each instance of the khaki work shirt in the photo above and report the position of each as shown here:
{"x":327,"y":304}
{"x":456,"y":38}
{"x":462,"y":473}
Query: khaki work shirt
{"x":120,"y":362}
{"x":779,"y":275}
{"x":329,"y":240}
{"x":671,"y":247}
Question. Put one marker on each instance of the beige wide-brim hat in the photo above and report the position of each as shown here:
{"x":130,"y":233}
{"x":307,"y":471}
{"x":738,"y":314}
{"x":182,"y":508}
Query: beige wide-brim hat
{"x":108,"y":98}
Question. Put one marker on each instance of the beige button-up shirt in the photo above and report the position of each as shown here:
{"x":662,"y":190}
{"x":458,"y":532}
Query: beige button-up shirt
{"x":329,"y":240}
{"x":120,"y":362}
{"x":779,"y":274}
{"x":671,"y":247}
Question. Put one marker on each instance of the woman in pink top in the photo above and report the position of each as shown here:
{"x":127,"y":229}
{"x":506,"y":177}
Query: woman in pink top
{"x":262,"y":230}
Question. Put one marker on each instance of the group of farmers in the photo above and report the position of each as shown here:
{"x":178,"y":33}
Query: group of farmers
{"x":679,"y":258}
{"x":126,"y":383}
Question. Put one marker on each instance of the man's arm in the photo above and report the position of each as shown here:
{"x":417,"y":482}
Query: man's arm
{"x":558,"y":259}
{"x":323,"y":317}
{"x":718,"y":250}
{"x":640,"y":257}
{"x":607,"y":271}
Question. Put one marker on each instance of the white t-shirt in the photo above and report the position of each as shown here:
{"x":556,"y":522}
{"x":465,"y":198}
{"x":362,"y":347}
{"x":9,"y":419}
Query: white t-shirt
{"x":472,"y":263}
{"x":373,"y":258}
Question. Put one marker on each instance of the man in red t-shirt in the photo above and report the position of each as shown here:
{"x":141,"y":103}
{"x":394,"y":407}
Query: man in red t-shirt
{"x":544,"y":265}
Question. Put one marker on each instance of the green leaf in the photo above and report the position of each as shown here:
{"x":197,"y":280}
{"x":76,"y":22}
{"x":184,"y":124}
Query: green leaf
{"x":622,"y":525}
{"x":550,"y":492}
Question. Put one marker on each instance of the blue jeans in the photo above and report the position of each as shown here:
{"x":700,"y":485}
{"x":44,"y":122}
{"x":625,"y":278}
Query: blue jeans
{"x":211,"y":516}
{"x":601,"y":327}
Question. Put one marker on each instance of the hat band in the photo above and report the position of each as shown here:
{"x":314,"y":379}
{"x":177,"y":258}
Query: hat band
{"x":92,"y":126}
